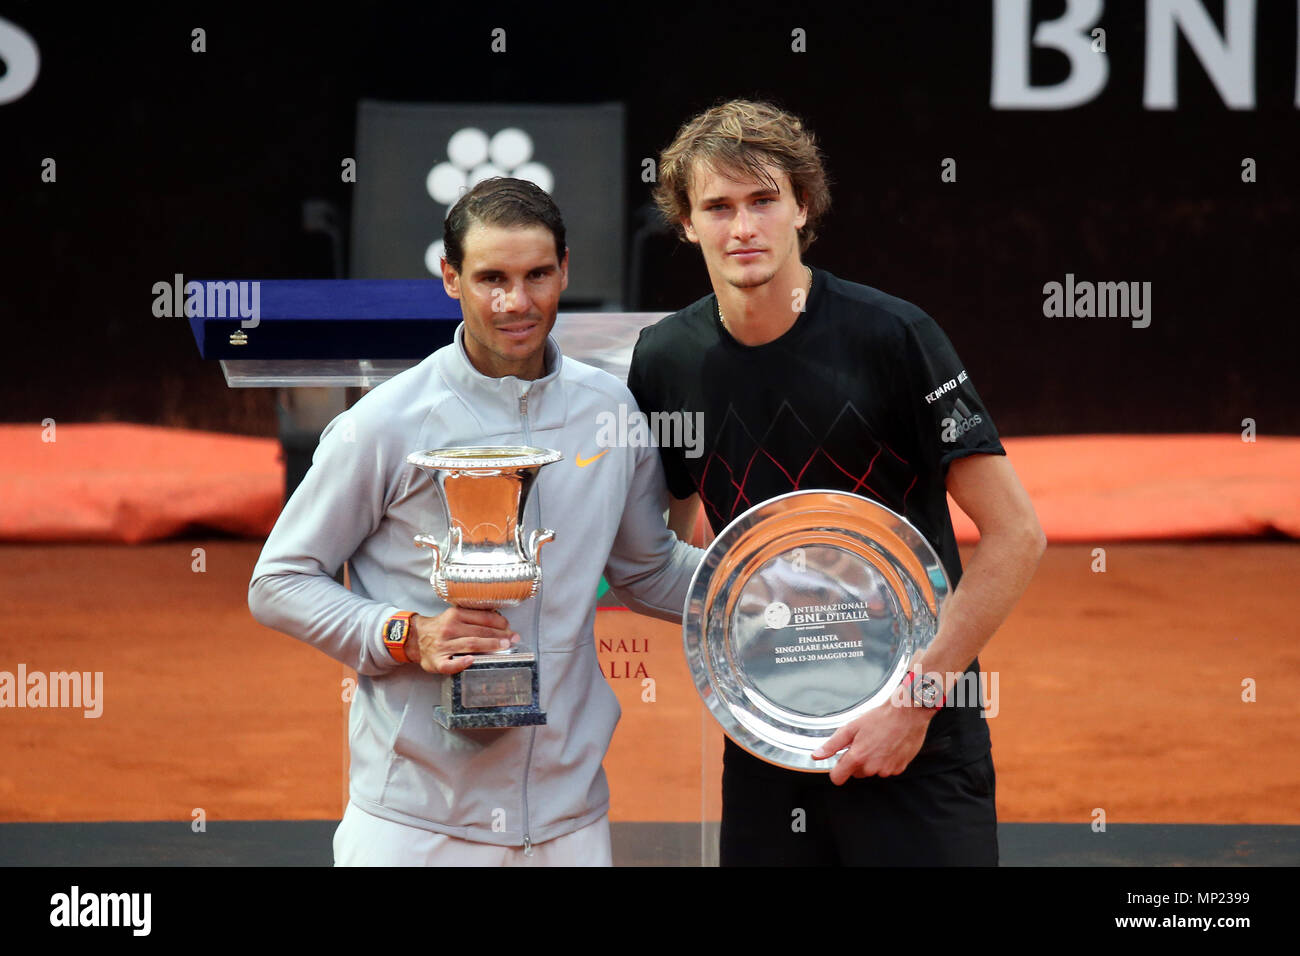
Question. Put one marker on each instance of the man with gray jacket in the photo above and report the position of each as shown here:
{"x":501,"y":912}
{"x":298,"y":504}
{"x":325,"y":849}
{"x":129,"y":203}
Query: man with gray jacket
{"x":421,"y":794}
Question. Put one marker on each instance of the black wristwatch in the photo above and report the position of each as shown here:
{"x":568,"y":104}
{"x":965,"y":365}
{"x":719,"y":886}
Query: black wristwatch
{"x":928,"y":691}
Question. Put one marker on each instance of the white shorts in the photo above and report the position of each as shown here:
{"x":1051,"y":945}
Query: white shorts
{"x":364,"y":839}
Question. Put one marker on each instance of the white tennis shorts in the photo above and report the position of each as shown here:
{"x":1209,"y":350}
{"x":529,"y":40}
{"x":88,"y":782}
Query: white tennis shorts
{"x":364,"y":839}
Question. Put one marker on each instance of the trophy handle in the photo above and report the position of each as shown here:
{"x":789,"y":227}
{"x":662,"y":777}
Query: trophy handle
{"x":428,"y":541}
{"x":535,"y":541}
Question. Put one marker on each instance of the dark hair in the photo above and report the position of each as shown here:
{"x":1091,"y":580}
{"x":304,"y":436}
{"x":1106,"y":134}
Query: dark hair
{"x":500,"y":201}
{"x":740,"y":136}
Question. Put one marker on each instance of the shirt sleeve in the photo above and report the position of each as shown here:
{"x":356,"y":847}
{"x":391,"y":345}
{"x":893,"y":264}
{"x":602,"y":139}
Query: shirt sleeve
{"x":947,"y":417}
{"x":640,"y":376}
{"x":339,"y":503}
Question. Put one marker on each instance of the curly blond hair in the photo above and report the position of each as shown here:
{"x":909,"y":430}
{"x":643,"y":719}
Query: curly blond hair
{"x":743,"y":137}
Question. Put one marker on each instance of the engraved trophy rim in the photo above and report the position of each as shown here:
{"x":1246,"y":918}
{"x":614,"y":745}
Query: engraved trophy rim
{"x":839,"y":520}
{"x":479,"y":457}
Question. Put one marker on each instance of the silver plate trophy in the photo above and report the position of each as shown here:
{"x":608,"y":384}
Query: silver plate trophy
{"x":486,"y":562}
{"x":805,"y":613}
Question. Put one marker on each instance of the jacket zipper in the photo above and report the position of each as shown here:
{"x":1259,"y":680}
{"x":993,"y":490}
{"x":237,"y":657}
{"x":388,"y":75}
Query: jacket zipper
{"x":532,"y":736}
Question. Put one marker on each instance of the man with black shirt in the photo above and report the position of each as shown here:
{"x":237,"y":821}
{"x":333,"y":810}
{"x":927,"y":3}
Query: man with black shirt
{"x":804,"y":381}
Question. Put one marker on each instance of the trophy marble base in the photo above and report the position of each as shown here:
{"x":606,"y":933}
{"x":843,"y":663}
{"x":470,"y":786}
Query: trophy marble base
{"x":494,"y":691}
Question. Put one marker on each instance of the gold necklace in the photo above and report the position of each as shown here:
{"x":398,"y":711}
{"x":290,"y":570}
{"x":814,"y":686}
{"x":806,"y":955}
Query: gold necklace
{"x":723,"y":319}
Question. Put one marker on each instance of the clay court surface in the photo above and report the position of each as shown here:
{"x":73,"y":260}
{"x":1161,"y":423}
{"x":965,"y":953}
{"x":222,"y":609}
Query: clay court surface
{"x":1120,"y":690}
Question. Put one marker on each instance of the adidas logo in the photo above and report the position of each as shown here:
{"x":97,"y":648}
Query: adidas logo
{"x":960,"y":422}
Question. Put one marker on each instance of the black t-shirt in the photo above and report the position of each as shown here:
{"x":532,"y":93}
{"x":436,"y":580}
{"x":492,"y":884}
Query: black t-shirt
{"x":864,"y":393}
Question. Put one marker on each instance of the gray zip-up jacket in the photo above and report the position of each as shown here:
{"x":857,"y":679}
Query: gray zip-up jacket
{"x":361,"y":502}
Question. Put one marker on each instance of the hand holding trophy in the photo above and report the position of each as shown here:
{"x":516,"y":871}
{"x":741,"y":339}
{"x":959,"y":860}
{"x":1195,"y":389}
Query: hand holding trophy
{"x":485,"y":562}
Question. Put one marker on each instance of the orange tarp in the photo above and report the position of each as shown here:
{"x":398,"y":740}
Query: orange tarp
{"x":133,"y":483}
{"x":1144,"y":487}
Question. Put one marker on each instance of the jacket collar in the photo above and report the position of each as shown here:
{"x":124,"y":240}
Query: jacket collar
{"x":489,"y":397}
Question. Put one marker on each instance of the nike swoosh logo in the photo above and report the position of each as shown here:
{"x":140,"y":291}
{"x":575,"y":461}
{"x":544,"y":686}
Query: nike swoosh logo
{"x":583,"y":463}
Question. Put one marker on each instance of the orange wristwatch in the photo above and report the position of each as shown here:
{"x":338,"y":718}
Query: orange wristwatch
{"x":396,"y":628}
